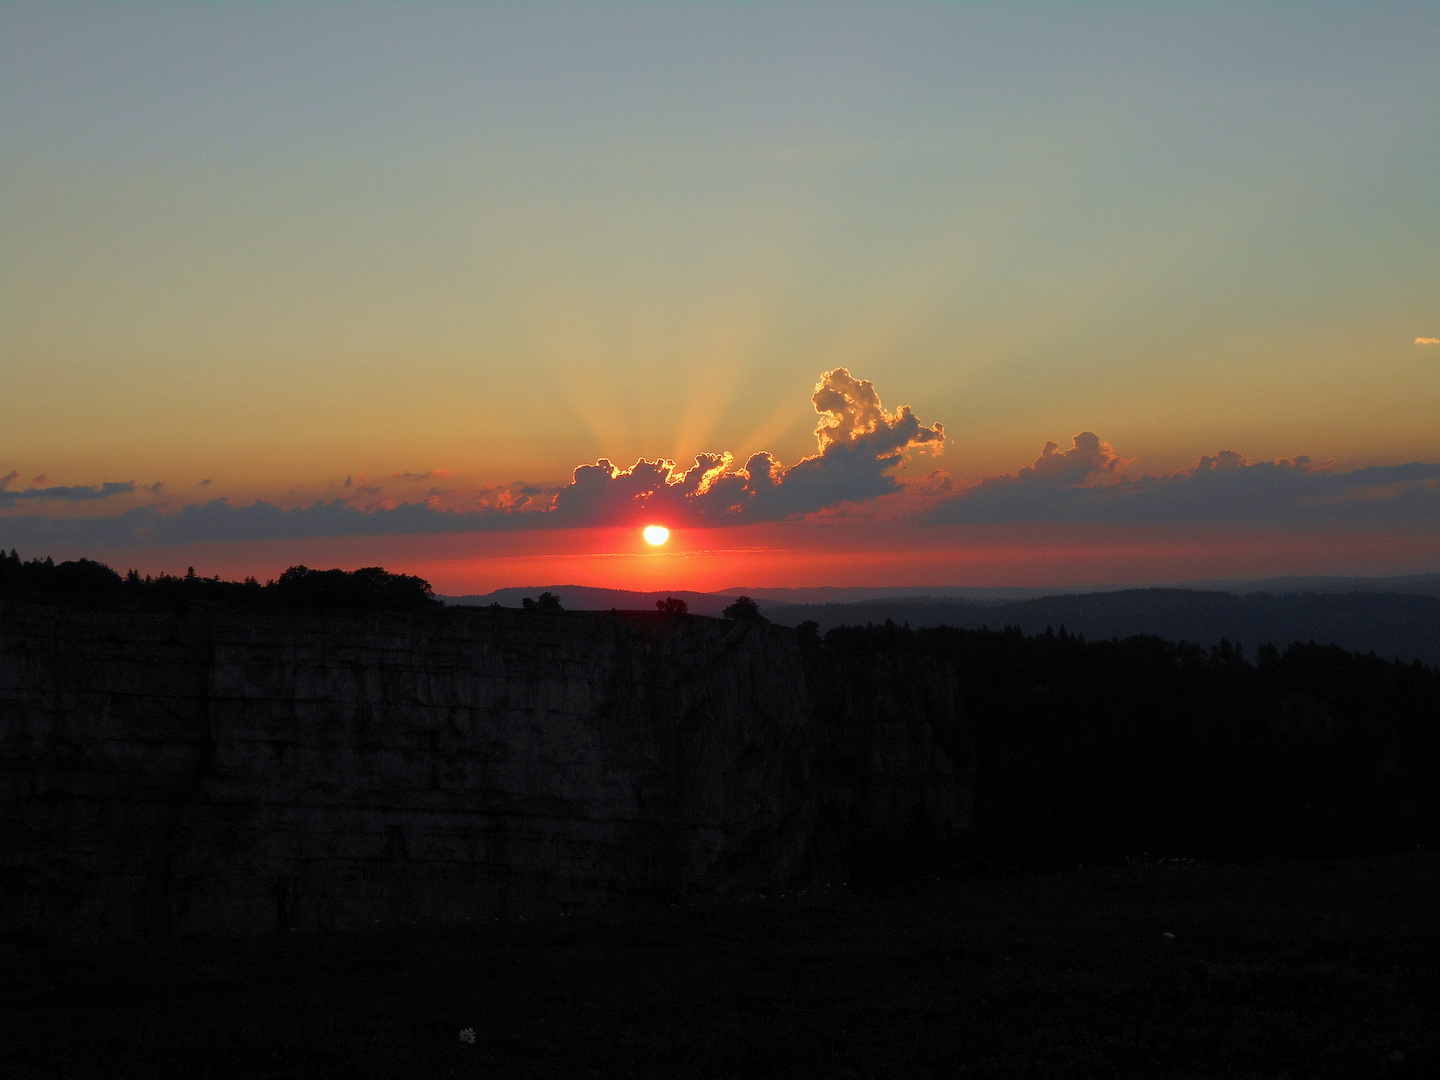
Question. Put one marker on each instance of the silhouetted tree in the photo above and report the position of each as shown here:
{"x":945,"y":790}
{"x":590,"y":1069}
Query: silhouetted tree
{"x":808,"y":634}
{"x":77,"y":579}
{"x":671,"y":606}
{"x":744,"y":609}
{"x":547,"y":601}
{"x":368,"y":587}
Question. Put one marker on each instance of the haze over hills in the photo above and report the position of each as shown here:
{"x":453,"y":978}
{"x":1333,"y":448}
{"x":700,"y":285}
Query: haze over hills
{"x":1419,"y":584}
{"x":1389,"y":624}
{"x":587,"y":598}
{"x":1393,"y":617}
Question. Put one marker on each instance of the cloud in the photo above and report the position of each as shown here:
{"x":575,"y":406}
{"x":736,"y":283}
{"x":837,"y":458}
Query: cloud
{"x":1225,"y":487}
{"x":1037,"y":491}
{"x":219,"y":519}
{"x":851,"y":415}
{"x":64,"y":494}
{"x":859,"y":445}
{"x":435,"y":474}
{"x":1087,"y":457}
{"x":1427,"y":341}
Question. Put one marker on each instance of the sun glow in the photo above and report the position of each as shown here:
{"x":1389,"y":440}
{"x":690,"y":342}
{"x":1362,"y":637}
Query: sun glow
{"x":656,"y":534}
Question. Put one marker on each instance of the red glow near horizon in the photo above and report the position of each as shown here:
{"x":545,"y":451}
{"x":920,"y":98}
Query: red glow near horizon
{"x":800,"y":555}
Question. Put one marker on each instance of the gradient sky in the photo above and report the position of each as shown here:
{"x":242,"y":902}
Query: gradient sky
{"x":252,"y":251}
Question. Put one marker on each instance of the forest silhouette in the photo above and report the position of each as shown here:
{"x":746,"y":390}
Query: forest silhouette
{"x":86,"y":582}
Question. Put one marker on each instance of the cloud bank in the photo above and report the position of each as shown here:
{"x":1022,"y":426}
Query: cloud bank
{"x":859,"y":444}
{"x":1079,"y":485}
{"x":10,"y":497}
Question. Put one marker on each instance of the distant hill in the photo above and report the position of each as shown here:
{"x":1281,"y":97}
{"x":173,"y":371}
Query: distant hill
{"x":585,"y":598}
{"x":1389,"y":624}
{"x":1413,"y":584}
{"x":1362,"y":614}
{"x":1416,"y":584}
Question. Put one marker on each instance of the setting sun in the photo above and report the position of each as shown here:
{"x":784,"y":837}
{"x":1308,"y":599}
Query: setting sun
{"x":656,"y":534}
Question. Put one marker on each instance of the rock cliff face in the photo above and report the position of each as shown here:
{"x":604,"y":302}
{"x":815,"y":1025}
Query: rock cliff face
{"x":232,"y":772}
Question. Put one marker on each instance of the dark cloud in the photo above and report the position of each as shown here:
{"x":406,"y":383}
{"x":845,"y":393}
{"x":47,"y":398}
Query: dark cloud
{"x":1065,"y":487}
{"x":219,"y":519}
{"x":433,"y":474}
{"x":63,"y":494}
{"x":1087,"y":457}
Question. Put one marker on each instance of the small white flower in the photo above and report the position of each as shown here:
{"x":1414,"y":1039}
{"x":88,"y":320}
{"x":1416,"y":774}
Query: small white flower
{"x":467,"y":1036}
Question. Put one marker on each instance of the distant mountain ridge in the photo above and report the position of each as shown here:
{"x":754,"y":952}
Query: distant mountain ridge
{"x":1389,"y":624}
{"x":588,"y":598}
{"x":1364,"y":615}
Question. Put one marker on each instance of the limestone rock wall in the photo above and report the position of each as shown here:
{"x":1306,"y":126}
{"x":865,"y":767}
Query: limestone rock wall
{"x":232,"y":772}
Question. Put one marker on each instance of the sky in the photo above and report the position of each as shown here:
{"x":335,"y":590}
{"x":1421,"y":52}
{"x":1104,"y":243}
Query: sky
{"x":873,"y":294}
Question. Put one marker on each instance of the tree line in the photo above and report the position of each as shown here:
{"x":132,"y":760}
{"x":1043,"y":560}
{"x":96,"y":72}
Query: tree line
{"x":87,"y":582}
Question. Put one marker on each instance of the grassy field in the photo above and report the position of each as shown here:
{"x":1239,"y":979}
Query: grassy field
{"x":1301,"y":969}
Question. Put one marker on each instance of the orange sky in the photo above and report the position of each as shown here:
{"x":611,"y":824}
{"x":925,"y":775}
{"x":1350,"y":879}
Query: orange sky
{"x":779,"y":556}
{"x":436,"y":256}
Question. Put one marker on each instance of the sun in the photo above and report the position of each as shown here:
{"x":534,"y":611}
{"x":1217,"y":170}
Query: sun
{"x":656,"y":534}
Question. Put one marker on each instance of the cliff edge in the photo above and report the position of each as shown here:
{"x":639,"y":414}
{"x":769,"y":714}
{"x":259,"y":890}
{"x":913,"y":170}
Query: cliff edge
{"x":222,"y":771}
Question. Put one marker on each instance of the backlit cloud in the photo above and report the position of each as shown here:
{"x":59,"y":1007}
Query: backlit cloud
{"x":1427,"y":341}
{"x":859,"y":445}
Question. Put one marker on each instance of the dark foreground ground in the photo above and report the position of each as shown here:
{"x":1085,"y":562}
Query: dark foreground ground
{"x":1287,"y":969}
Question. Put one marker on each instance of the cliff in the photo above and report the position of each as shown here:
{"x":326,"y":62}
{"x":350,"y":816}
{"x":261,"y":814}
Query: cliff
{"x":214,"y":770}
